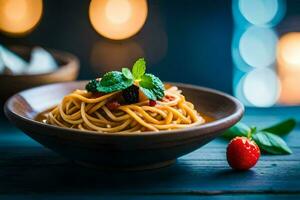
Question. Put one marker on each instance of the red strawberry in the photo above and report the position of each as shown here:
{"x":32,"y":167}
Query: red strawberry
{"x":242,"y":153}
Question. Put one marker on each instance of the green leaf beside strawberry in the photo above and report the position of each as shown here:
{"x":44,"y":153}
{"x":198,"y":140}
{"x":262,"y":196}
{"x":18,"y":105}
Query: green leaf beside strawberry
{"x":268,"y":139}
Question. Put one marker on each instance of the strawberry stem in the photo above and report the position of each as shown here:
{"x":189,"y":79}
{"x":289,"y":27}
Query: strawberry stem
{"x":249,"y":134}
{"x":252,"y":130}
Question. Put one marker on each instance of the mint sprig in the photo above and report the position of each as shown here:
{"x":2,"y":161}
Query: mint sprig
{"x":92,"y":85}
{"x":268,"y":139}
{"x":127,"y":73}
{"x":114,"y":81}
{"x":139,"y":68}
{"x":150,"y":85}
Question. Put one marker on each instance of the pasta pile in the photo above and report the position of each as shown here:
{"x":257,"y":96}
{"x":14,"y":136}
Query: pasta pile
{"x":82,"y":110}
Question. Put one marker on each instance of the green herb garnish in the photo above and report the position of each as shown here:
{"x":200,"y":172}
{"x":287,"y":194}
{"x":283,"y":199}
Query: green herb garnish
{"x":139,"y":69}
{"x":150,"y":85}
{"x":268,"y":139}
{"x":92,"y":85}
{"x":114,"y":81}
{"x":127,"y":73}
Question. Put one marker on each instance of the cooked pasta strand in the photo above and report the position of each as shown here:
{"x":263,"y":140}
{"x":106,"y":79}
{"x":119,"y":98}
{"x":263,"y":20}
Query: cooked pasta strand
{"x":83,"y":111}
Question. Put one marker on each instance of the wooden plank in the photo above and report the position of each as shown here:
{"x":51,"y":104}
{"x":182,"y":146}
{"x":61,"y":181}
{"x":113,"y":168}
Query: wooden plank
{"x":28,"y":168}
{"x":151,"y":197}
{"x":54,"y":174}
{"x":207,"y":153}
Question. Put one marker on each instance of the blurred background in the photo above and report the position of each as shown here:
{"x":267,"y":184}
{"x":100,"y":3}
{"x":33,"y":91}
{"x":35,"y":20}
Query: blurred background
{"x":249,"y":48}
{"x":183,"y":42}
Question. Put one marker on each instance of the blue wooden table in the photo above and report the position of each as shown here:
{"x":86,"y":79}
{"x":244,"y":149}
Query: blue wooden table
{"x":30,"y":171}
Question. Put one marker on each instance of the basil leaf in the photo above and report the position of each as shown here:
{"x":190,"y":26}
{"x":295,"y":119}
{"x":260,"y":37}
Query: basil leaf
{"x":112,"y":78}
{"x":147,"y":81}
{"x":271,"y":143}
{"x":127,"y":73}
{"x":159,"y":92}
{"x":139,"y":69}
{"x":114,"y":81}
{"x":282,"y":128}
{"x":153,"y":85}
{"x":149,"y":93}
{"x":92,"y":85}
{"x":240,"y":129}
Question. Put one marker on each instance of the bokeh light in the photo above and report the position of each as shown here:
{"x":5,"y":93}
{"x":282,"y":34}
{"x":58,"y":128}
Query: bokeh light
{"x":254,"y":43}
{"x":290,"y":91}
{"x":18,"y":17}
{"x":288,"y":59}
{"x":261,"y":87}
{"x":259,"y":12}
{"x":239,"y":92}
{"x":118,"y":19}
{"x":288,"y":50}
{"x":258,"y":46}
{"x":238,"y":61}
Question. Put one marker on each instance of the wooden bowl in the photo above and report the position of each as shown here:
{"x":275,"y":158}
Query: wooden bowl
{"x":132,"y":151}
{"x":67,"y":71}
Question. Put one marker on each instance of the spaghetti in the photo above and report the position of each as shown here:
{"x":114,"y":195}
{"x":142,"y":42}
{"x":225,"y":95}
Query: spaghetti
{"x":85,"y":111}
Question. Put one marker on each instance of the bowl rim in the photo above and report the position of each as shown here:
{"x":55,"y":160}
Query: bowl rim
{"x":70,"y":61}
{"x":216,"y":125}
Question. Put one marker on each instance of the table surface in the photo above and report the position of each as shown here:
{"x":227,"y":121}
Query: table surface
{"x":30,"y":171}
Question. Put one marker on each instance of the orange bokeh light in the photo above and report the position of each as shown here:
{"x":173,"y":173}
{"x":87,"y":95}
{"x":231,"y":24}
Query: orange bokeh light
{"x":288,"y":60}
{"x":118,"y":19}
{"x":19,"y":17}
{"x":290,"y":92}
{"x":288,"y":49}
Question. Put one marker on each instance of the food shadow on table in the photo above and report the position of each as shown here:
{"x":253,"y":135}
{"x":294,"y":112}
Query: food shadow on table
{"x":55,"y":174}
{"x":27,"y":167}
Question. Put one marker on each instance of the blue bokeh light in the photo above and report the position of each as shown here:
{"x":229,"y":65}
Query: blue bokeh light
{"x":263,"y":13}
{"x":258,"y":46}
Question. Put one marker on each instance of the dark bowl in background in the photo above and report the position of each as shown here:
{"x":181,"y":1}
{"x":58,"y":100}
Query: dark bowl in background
{"x":67,"y":71}
{"x":132,"y":151}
